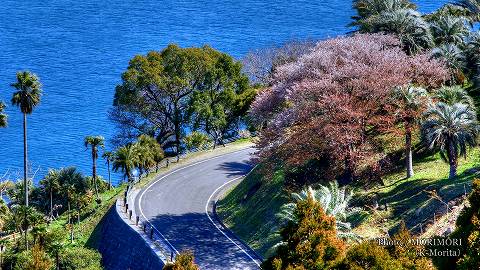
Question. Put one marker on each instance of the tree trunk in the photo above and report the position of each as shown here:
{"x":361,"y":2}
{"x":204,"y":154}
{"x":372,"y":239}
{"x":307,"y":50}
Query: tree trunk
{"x":408,"y":151}
{"x":70,"y":222}
{"x":51,"y":202}
{"x":25,"y":158}
{"x":452,"y":160}
{"x":109,"y":177}
{"x":94,"y":170}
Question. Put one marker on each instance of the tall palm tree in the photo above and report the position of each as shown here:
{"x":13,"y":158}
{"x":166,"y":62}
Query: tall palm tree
{"x":3,"y":116}
{"x":94,"y":142}
{"x":454,"y":94}
{"x":108,"y":156}
{"x":472,"y":7}
{"x":411,"y":102}
{"x":334,"y":201}
{"x":451,"y":129}
{"x":27,"y":97}
{"x":51,"y":184}
{"x":126,"y":159}
{"x":449,"y":29}
{"x":152,"y":151}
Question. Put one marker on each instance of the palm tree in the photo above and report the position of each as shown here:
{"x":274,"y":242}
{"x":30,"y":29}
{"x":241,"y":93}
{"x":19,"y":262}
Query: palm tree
{"x":126,"y":159}
{"x":3,"y":116}
{"x":333,"y":199}
{"x":108,"y":156}
{"x":407,"y":24}
{"x":27,"y":97}
{"x":368,"y":8}
{"x":454,"y":94}
{"x":94,"y":142}
{"x":454,"y":57}
{"x":472,"y":7}
{"x":51,"y":184}
{"x":411,"y":102}
{"x":451,"y":129}
{"x":449,"y":29}
{"x":151,"y":151}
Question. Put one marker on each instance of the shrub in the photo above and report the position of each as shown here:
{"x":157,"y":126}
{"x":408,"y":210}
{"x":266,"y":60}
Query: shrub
{"x":468,"y":230}
{"x":80,"y":258}
{"x":309,"y":243}
{"x":196,"y":140}
{"x":369,"y":255}
{"x":35,"y":259}
{"x":183,"y":261}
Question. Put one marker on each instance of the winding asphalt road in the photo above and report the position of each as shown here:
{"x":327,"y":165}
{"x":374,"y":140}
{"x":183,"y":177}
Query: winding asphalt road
{"x":180,"y":206}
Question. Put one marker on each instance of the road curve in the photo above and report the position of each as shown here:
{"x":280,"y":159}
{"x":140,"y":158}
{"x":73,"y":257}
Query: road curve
{"x":179,"y":205}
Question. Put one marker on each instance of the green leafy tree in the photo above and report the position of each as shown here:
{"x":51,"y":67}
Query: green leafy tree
{"x":109,"y":157}
{"x":73,"y":258}
{"x":126,"y":158}
{"x":369,"y":255}
{"x":51,"y":184}
{"x":36,"y":259}
{"x":410,"y":103}
{"x":183,"y":261}
{"x":26,"y":97}
{"x":451,"y":129}
{"x":334,"y":201}
{"x":454,"y":94}
{"x":94,"y":142}
{"x":311,"y":243}
{"x":3,"y":116}
{"x":223,"y":99}
{"x":22,"y":218}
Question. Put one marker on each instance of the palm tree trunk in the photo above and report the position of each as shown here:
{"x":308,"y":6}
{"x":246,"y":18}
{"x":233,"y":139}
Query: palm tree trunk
{"x":51,"y":202}
{"x":452,"y":160}
{"x":70,"y":222}
{"x":109,"y":177}
{"x":408,"y":151}
{"x":25,"y":158}
{"x":94,"y":172}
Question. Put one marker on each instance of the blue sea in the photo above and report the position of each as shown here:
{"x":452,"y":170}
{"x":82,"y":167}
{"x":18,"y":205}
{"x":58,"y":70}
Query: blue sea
{"x":80,"y":48}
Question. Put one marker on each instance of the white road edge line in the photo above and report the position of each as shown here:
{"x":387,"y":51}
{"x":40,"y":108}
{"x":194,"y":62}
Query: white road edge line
{"x":168,"y":174}
{"x":216,"y":226}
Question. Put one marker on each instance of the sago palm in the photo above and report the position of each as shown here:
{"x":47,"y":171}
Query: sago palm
{"x":454,"y":94}
{"x":333,"y":199}
{"x":452,"y":129}
{"x":27,"y":96}
{"x":449,"y":29}
{"x":453,"y":56}
{"x":411,"y":102}
{"x":126,"y":159}
{"x":94,"y":142}
{"x":151,"y":152}
{"x":3,"y":116}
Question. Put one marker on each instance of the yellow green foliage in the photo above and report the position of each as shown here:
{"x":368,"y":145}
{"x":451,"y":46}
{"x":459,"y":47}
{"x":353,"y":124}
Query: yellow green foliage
{"x":183,"y":261}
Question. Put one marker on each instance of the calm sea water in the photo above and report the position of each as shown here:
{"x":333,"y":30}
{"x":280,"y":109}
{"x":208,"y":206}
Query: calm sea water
{"x":80,"y":48}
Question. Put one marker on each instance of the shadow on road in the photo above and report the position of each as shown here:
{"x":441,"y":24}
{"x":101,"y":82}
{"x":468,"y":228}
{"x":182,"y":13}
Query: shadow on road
{"x":194,"y":231}
{"x":234,"y":168}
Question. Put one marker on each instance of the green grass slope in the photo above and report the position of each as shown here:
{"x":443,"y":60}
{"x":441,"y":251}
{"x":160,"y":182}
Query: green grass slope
{"x":249,"y":210}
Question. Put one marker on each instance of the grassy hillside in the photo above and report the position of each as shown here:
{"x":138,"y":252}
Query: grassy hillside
{"x":249,"y":209}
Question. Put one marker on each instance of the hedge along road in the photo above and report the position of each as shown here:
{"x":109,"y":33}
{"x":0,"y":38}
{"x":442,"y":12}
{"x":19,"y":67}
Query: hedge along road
{"x":179,"y":205}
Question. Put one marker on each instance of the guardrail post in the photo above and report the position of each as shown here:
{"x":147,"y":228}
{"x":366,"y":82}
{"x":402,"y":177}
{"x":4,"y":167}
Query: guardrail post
{"x":126,"y":208}
{"x":137,"y":220}
{"x":130,"y":215}
{"x":151,"y":233}
{"x":171,"y":256}
{"x":124,"y":200}
{"x":145,"y":227}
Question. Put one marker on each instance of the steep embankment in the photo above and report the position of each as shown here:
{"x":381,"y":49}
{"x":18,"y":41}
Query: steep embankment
{"x":249,"y":209}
